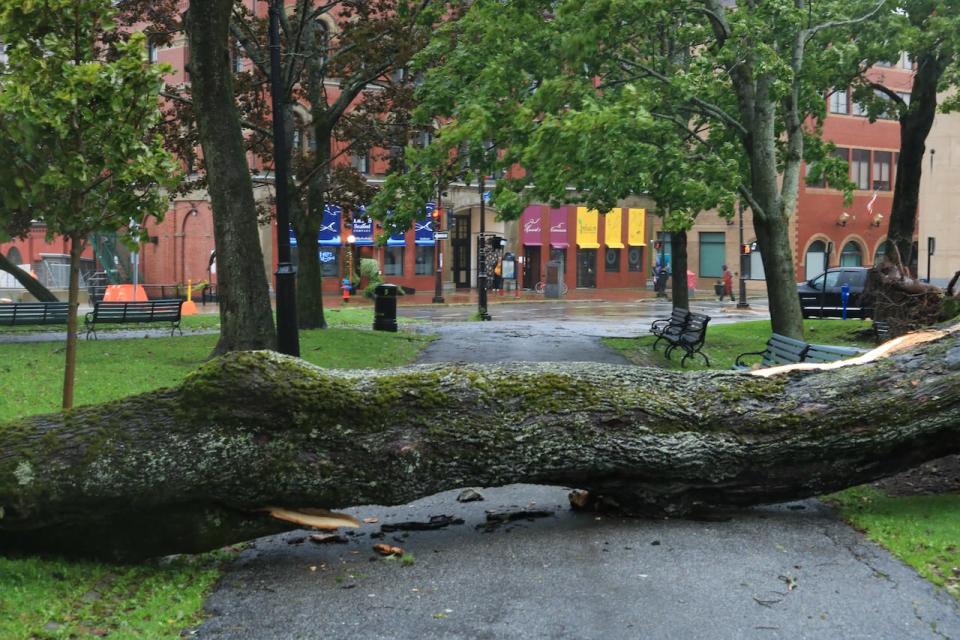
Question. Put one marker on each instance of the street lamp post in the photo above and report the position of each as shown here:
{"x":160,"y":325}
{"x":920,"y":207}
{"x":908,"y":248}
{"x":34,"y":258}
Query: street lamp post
{"x":288,"y":340}
{"x":742,"y":298}
{"x":437,"y":252}
{"x":482,"y":257}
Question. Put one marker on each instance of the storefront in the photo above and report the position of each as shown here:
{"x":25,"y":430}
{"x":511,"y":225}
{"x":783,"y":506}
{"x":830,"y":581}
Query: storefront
{"x":600,"y":241}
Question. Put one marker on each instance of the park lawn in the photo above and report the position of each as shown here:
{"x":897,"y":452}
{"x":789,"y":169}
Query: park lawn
{"x":31,"y":374}
{"x":54,"y":598}
{"x":920,"y":530}
{"x":726,"y":341}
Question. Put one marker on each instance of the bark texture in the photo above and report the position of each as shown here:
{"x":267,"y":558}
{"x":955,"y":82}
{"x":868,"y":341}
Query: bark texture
{"x":185,"y":469}
{"x":31,"y":284}
{"x":246,"y":319}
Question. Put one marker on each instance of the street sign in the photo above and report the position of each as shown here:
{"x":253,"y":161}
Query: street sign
{"x":440,"y":235}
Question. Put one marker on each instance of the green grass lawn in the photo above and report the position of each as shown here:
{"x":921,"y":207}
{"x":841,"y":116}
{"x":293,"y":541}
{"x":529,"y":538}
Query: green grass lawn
{"x":726,"y":341}
{"x":54,"y":598}
{"x":923,"y":531}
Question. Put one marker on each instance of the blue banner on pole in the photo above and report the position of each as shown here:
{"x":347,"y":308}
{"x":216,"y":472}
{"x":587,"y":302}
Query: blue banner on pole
{"x":330,"y":228}
{"x":423,"y":229}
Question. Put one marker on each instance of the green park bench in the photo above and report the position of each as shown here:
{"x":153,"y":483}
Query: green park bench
{"x":163,"y":310}
{"x":13,"y":314}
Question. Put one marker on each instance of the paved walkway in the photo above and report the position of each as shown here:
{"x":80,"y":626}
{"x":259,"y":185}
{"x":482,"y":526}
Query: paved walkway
{"x":790,"y":571}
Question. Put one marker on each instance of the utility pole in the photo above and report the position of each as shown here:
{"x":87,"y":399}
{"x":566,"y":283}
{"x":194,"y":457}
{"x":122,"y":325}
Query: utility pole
{"x":288,"y":339}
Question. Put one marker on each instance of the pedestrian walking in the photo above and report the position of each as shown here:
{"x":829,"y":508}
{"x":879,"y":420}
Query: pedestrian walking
{"x":727,"y":284}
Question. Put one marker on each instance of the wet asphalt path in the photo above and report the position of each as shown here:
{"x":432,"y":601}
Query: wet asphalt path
{"x":789,"y":571}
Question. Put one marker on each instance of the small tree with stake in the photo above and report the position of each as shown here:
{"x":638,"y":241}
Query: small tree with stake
{"x":76,"y":115}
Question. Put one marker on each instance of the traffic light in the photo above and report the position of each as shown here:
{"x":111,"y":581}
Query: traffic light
{"x":745,"y":249}
{"x":658,"y":245}
{"x":435,"y":214}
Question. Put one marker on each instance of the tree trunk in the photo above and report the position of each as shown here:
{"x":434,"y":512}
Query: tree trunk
{"x":914,"y":127}
{"x":771,"y":222}
{"x":678,"y":247}
{"x":31,"y":284}
{"x":187,"y":468}
{"x":309,"y":277}
{"x":246,"y":319}
{"x":73,"y":305}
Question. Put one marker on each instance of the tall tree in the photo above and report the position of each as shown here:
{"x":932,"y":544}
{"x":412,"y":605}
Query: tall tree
{"x":346,"y":93}
{"x":928,"y":32}
{"x":75,"y":117}
{"x":505,"y":77}
{"x":736,"y":82}
{"x":246,"y":319}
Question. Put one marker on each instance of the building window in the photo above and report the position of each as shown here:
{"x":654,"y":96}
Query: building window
{"x":843,"y":154}
{"x":906,"y":61}
{"x":880,"y":252}
{"x":361,"y":162}
{"x":587,"y":268}
{"x":820,"y":182}
{"x":665,"y":252}
{"x":236,"y":59}
{"x":635,"y":259}
{"x":611,"y":260}
{"x":890,"y":112}
{"x":815,"y":261}
{"x":153,"y":52}
{"x":860,"y":168}
{"x":393,"y":261}
{"x":851,"y":256}
{"x":881,"y":170}
{"x":756,"y":266}
{"x":839,"y":102}
{"x":14,"y":256}
{"x":857,"y":109}
{"x":321,"y":40}
{"x":905,"y":96}
{"x":425,"y":261}
{"x":713,"y":251}
{"x":330,"y":262}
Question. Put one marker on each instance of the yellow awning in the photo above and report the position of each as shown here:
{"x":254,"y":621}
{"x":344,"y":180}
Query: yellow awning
{"x":587,"y":228}
{"x":613,"y":228}
{"x":636,"y":219}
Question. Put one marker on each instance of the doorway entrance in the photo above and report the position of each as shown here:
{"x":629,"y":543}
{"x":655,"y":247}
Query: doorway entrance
{"x":587,"y":268}
{"x":460,"y":248}
{"x":531,"y":267}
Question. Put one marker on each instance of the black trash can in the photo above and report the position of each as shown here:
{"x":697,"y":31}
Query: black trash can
{"x":385,"y":307}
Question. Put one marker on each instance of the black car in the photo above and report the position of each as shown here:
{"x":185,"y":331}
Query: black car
{"x":820,"y":296}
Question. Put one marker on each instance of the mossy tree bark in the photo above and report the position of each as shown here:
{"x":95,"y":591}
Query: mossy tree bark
{"x":185,"y":469}
{"x":246,"y":319}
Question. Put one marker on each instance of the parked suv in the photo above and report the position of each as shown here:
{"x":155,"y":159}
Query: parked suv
{"x":820,"y":296}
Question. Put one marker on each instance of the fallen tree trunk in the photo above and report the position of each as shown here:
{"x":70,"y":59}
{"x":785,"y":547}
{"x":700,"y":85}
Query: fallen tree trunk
{"x":186,"y":469}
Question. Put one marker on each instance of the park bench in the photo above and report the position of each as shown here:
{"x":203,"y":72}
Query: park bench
{"x":784,"y":350}
{"x":667,"y":328}
{"x":780,"y":350}
{"x":14,"y":314}
{"x":690,"y":339}
{"x":881,"y":331}
{"x":828,"y":353}
{"x":167,"y":310}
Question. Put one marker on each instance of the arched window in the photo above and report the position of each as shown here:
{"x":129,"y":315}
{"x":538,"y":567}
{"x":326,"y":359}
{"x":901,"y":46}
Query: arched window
{"x":14,"y":256}
{"x":880,"y":252}
{"x":815,"y":261}
{"x":851,"y":256}
{"x":321,"y":39}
